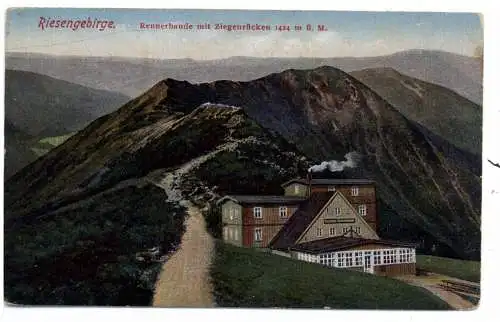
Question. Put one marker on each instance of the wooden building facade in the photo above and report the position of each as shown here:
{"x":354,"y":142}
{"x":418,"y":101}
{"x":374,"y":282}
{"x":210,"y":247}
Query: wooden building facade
{"x":331,"y":222}
{"x":252,"y":221}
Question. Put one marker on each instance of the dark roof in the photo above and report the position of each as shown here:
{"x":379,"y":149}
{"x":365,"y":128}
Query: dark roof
{"x":325,"y":182}
{"x":341,"y":242}
{"x":300,"y":219}
{"x":263,"y":199}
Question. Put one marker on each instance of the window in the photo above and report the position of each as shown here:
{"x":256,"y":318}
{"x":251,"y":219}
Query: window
{"x":345,"y":230}
{"x":341,"y":259}
{"x":377,"y":260}
{"x":232,"y":212}
{"x":258,"y":234}
{"x":282,"y":212}
{"x":257,"y":212}
{"x":310,"y":258}
{"x":226,"y":233}
{"x":402,"y":256}
{"x":348,"y":259}
{"x":330,"y":188}
{"x":389,"y":256}
{"x":385,"y":257}
{"x":394,"y":256}
{"x":322,"y":259}
{"x":319,"y":232}
{"x":357,"y":230}
{"x":332,"y":231}
{"x":329,"y":259}
{"x":406,"y":255}
{"x":354,"y":191}
{"x":362,"y":210}
{"x":358,"y":258}
{"x":337,"y":211}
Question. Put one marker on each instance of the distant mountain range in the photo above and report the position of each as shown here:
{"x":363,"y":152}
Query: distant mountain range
{"x":132,"y":76}
{"x":38,"y":106}
{"x":253,"y":135}
{"x":435,"y":107}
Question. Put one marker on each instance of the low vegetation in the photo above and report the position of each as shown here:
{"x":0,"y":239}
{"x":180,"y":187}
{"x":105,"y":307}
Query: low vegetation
{"x":245,"y":277}
{"x":255,"y":167}
{"x":56,"y":140}
{"x":462,"y":269}
{"x":213,"y":220}
{"x":94,"y":252}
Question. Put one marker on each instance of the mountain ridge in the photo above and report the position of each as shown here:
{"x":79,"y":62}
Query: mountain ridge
{"x":438,"y":108}
{"x":321,"y":114}
{"x":40,"y":106}
{"x":133,"y":76}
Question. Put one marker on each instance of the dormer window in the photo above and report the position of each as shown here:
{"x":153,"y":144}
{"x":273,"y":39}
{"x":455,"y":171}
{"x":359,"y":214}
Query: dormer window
{"x":283,"y":212}
{"x":354,"y":191}
{"x":257,"y":212}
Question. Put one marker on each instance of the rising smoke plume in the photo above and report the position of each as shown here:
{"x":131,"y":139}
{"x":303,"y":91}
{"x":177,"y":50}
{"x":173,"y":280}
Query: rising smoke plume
{"x":352,"y":159}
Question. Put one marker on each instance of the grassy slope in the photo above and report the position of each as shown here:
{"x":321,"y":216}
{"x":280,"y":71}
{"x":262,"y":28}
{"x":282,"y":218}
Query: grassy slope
{"x":56,"y":140}
{"x":43,"y":146}
{"x":86,"y":254}
{"x":248,"y":278}
{"x":466,"y":270}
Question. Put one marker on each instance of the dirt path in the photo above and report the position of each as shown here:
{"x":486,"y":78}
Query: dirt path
{"x":431,"y":283}
{"x":184,"y":280}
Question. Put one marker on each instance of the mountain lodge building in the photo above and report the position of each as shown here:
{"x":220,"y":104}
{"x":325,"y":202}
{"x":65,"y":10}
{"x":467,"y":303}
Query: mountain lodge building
{"x":332,"y":222}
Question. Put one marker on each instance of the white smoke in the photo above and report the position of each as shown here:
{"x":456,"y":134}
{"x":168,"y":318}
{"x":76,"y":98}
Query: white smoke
{"x":335,"y":166}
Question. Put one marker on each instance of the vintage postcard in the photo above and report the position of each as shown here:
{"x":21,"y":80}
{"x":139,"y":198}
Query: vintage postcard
{"x":242,"y":158}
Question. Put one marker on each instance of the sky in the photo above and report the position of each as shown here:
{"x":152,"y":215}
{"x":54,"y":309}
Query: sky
{"x":356,"y":34}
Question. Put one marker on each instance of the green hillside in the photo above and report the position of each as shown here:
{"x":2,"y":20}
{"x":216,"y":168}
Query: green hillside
{"x":56,"y":140}
{"x":97,"y":263}
{"x":466,"y":270}
{"x":244,"y":277}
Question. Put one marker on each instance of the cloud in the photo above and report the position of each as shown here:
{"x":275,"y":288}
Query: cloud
{"x":211,"y":44}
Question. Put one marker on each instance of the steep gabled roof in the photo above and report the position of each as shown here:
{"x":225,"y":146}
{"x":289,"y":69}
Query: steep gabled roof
{"x":320,"y":182}
{"x":354,"y":211}
{"x":342,"y":243}
{"x":262,"y":199}
{"x":300,"y":220}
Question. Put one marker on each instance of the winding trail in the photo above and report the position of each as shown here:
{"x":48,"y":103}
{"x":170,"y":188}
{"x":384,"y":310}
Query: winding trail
{"x":185,"y":277}
{"x":184,"y":280}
